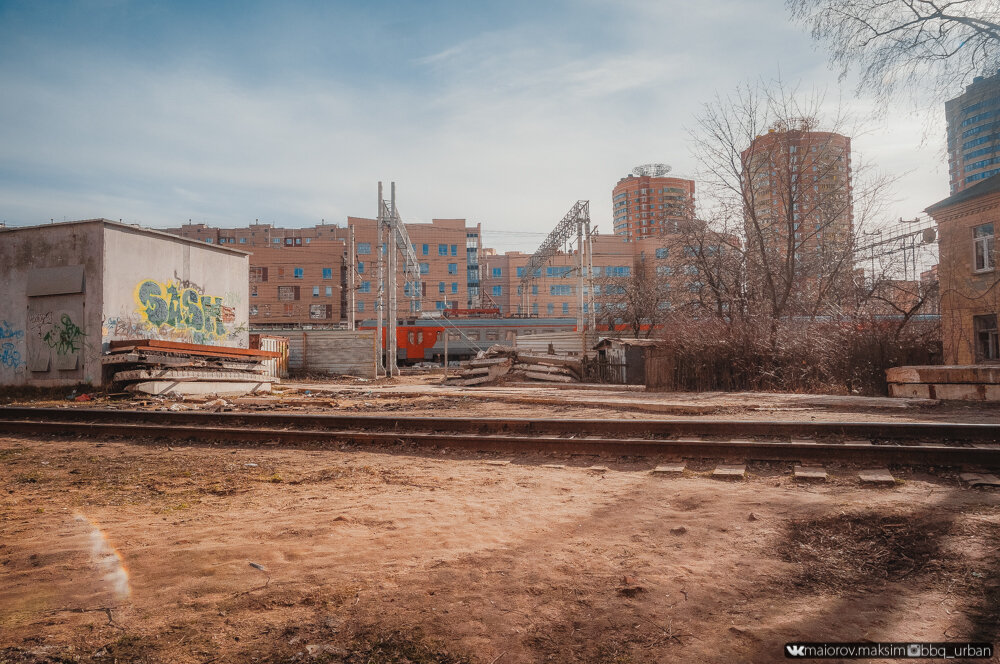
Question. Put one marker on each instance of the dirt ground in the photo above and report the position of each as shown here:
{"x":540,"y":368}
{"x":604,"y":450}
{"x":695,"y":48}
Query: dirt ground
{"x":135,"y":551}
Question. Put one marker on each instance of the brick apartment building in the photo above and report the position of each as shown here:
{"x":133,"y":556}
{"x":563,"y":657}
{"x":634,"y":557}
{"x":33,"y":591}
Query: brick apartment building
{"x":646,"y":206}
{"x":555,"y":290}
{"x":299,"y":275}
{"x":967,"y":269}
{"x":974,"y":133}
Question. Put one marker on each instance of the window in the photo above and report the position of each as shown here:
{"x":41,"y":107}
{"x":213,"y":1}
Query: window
{"x":320,"y":311}
{"x":497,"y":272}
{"x":426,"y":249}
{"x":664,"y":270}
{"x":288,"y":293}
{"x":454,"y":287}
{"x":442,"y":250}
{"x":328,"y":273}
{"x":365,"y":287}
{"x":662,"y":252}
{"x":209,"y":240}
{"x":561,"y":290}
{"x":558,"y":271}
{"x":565,"y":307}
{"x":498,"y":290}
{"x":243,"y":240}
{"x":452,"y":268}
{"x":299,"y":273}
{"x":983,"y":248}
{"x":361,"y":267}
{"x":454,"y":250}
{"x":315,"y":291}
{"x":361,"y":306}
{"x":987,"y":342}
{"x":534,"y":290}
{"x":329,"y":291}
{"x":618,"y":270}
{"x":258,"y":274}
{"x":440,"y":287}
{"x":253,"y":290}
{"x":364,"y":248}
{"x":253,"y":309}
{"x":425,"y":267}
{"x":550,"y":308}
{"x":440,"y":306}
{"x":276,"y":240}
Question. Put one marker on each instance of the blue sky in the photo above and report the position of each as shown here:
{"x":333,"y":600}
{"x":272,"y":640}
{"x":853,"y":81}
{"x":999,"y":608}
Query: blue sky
{"x":504,"y":113}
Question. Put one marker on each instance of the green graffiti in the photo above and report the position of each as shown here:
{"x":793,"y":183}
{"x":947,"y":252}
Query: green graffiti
{"x":183,"y":309}
{"x":65,"y":337}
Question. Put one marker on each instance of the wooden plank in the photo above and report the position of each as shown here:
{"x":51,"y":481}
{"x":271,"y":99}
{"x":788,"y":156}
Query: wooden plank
{"x":186,"y":347}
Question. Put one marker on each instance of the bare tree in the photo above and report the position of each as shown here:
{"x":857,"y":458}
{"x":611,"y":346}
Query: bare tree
{"x":639,"y":300}
{"x":930,"y":46}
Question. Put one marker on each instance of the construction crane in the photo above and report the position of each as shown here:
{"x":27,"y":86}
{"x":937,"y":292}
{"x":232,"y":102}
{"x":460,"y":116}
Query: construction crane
{"x":576,"y":220}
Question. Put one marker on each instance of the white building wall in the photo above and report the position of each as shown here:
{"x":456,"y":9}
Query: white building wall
{"x":159,"y":286}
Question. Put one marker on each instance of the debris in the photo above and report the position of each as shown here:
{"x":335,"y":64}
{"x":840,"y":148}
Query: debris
{"x":752,"y":517}
{"x":678,"y":530}
{"x":83,"y":397}
{"x":499,"y":362}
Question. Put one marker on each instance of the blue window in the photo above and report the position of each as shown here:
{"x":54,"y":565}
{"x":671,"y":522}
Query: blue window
{"x":454,"y":287}
{"x":243,"y":240}
{"x":561,"y":290}
{"x":534,"y":307}
{"x":497,"y":272}
{"x":452,"y":268}
{"x":361,"y":306}
{"x":565,"y":307}
{"x":364,"y":248}
{"x":442,"y":250}
{"x":550,"y":308}
{"x":209,"y":240}
{"x":520,"y":271}
{"x":439,"y":305}
{"x":440,"y":286}
{"x":691,"y":269}
{"x":315,"y":291}
{"x":425,"y":267}
{"x":328,"y":273}
{"x":664,"y":270}
{"x":690,"y":251}
{"x":329,"y":291}
{"x":558,"y":271}
{"x":426,"y":249}
{"x":534,"y":290}
{"x":454,"y":250}
{"x":366,"y":287}
{"x":695,"y":286}
{"x":498,"y":290}
{"x":662,"y":252}
{"x":361,"y":267}
{"x":299,"y":273}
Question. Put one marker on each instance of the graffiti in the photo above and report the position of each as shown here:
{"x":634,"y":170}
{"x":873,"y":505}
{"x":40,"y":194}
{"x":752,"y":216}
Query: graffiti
{"x":183,"y":309}
{"x":123,"y":326}
{"x":9,"y":356}
{"x":187,"y":284}
{"x":38,"y":322}
{"x":6,"y":332}
{"x":65,"y":337}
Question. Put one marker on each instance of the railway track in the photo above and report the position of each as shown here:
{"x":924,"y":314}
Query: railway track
{"x":939,"y":444}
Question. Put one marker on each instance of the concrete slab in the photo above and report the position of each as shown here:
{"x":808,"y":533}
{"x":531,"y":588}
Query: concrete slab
{"x":810,"y":473}
{"x":727,"y":472}
{"x":553,"y":465}
{"x":597,"y":469}
{"x":669,"y":469}
{"x":222,"y":389}
{"x":876,"y":476}
{"x":980,"y":479}
{"x":498,"y":463}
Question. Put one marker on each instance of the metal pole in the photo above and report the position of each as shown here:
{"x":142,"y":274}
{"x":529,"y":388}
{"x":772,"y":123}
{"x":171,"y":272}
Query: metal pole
{"x":580,"y":320}
{"x":392,"y":312}
{"x":590,"y":276}
{"x":445,"y":333}
{"x":352,"y":267}
{"x":380,"y":290}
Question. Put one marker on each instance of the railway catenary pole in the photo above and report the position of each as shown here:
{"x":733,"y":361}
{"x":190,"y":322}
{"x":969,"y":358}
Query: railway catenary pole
{"x":380,"y":291}
{"x":580,"y":319}
{"x":352,"y":266}
{"x":590,"y":278}
{"x":392,"y":311}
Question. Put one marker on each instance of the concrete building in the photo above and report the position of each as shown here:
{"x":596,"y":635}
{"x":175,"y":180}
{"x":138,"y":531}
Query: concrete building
{"x":799,"y":218}
{"x":299,"y":275}
{"x":974,"y":133}
{"x":646,"y":205}
{"x":665,"y":258}
{"x":69,"y":289}
{"x":967,"y":271}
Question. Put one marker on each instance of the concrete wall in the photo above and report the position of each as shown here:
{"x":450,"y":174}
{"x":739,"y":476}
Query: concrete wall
{"x":560,"y":343}
{"x":162,"y":287}
{"x":50,"y":304}
{"x":336,"y":352}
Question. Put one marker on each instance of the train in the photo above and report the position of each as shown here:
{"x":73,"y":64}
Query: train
{"x":469,"y":331}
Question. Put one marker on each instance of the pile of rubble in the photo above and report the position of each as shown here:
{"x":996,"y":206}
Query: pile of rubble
{"x":170,"y":368}
{"x":504,"y":362}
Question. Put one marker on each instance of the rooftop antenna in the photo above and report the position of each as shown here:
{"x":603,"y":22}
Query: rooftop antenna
{"x":652,"y":170}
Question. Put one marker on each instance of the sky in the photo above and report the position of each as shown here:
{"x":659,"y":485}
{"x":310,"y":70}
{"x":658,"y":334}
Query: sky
{"x":504,"y":113}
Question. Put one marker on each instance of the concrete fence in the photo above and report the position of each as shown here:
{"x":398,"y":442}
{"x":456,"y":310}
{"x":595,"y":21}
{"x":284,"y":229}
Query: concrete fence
{"x":335,"y":352}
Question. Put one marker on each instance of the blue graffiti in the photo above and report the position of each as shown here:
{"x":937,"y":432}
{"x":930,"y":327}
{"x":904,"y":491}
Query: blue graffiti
{"x":9,"y":356}
{"x":6,"y":332}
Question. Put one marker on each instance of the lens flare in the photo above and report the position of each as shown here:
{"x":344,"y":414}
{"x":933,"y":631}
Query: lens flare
{"x":108,"y":559}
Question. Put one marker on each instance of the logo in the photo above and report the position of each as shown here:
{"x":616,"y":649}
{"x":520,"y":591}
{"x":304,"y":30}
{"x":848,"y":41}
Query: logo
{"x":795,"y":651}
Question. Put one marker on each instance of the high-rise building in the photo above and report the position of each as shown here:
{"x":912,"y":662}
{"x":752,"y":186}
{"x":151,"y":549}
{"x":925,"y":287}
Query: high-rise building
{"x":646,"y":202}
{"x":974,"y":133}
{"x":799,"y":210}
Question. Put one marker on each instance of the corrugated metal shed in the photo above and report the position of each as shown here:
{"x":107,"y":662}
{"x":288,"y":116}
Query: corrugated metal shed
{"x":336,"y":352}
{"x":552,"y":343}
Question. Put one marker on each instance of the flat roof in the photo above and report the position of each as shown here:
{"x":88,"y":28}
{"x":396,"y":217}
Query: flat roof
{"x":134,"y":228}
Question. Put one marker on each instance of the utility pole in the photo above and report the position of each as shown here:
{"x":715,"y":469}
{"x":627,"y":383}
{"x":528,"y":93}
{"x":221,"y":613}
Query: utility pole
{"x":380,"y":294}
{"x":392,"y":368}
{"x":352,"y":268}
